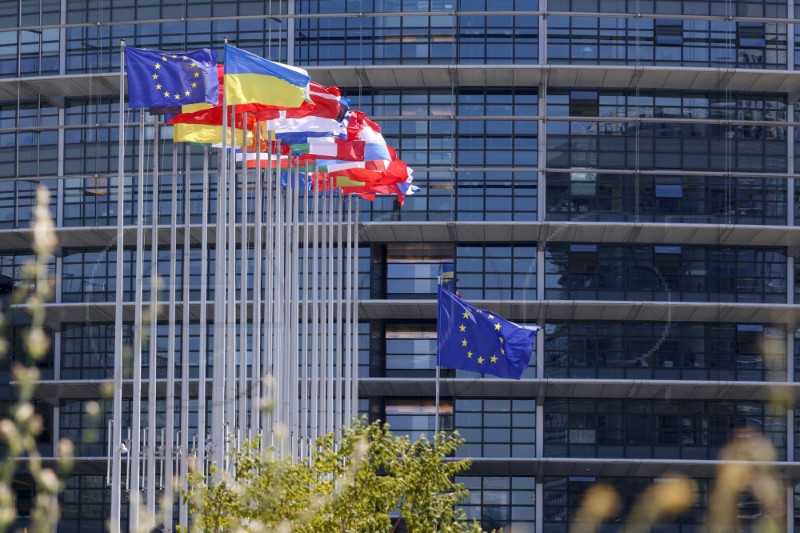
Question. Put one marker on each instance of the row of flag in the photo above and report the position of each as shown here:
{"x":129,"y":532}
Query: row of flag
{"x":297,"y":120}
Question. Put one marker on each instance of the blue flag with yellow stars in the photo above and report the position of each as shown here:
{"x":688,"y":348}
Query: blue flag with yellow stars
{"x":163,"y":79}
{"x":480,"y":341}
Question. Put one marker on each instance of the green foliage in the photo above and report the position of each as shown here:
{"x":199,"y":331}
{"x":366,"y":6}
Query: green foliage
{"x":360,"y":483}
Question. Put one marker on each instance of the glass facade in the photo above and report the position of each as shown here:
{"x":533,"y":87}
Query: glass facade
{"x":619,"y":172}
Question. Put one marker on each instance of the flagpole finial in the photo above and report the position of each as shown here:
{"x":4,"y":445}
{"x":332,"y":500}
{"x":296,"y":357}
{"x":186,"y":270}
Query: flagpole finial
{"x":122,"y":43}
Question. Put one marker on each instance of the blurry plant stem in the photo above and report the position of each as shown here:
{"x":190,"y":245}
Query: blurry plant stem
{"x":21,"y":430}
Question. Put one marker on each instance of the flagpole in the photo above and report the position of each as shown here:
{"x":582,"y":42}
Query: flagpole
{"x":217,"y":443}
{"x":438,"y":373}
{"x":116,"y":438}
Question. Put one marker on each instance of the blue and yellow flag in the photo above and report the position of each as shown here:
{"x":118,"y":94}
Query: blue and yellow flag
{"x":164,"y":79}
{"x":480,"y":341}
{"x":250,"y":79}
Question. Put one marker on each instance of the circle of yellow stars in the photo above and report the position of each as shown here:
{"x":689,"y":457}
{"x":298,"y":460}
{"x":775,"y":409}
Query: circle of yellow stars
{"x":163,"y":90}
{"x":480,"y":359}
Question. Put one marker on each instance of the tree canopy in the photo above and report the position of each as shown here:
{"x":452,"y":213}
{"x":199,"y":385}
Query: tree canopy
{"x":368,"y":480}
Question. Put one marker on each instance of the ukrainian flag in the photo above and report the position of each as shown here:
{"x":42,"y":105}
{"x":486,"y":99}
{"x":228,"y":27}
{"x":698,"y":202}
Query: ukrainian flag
{"x":250,"y":79}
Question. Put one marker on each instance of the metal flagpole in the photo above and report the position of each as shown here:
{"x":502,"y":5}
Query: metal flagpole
{"x":436,"y":414}
{"x":153,"y":359}
{"x":258,"y":254}
{"x":267,"y":438}
{"x":323,"y":312}
{"x":304,"y":348}
{"x":218,"y":384}
{"x":331,"y":295}
{"x":340,"y":420}
{"x":168,"y":445}
{"x":294,"y":279}
{"x":279,"y":316}
{"x":230,"y":302}
{"x":354,"y":340}
{"x":183,"y":449}
{"x":136,"y":415}
{"x":349,"y":357}
{"x":119,"y":360}
{"x":202,"y":410}
{"x":244,"y":247}
{"x":315,"y":344}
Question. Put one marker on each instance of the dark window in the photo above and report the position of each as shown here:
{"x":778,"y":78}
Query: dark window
{"x":669,"y":32}
{"x":751,"y":35}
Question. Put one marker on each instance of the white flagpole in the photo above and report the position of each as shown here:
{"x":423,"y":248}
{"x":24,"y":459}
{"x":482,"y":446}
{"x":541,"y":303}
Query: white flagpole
{"x":349,"y":357}
{"x":116,"y":437}
{"x":331,"y":296}
{"x":230,"y":304}
{"x":338,"y":334}
{"x":436,"y":414}
{"x":183,"y":450}
{"x":354,"y":340}
{"x":169,"y":442}
{"x":202,"y":429}
{"x":153,"y":367}
{"x":304,"y":351}
{"x":244,"y":248}
{"x":267,"y":438}
{"x":258,"y":254}
{"x":136,"y":415}
{"x":220,"y":298}
{"x":315,"y":317}
{"x":295,"y":319}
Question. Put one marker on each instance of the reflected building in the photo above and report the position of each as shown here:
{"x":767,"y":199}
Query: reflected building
{"x":626,"y":182}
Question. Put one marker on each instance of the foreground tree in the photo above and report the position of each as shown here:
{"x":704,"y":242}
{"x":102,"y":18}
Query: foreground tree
{"x":368,"y":481}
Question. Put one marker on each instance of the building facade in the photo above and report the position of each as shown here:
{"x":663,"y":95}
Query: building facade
{"x":619,"y":172}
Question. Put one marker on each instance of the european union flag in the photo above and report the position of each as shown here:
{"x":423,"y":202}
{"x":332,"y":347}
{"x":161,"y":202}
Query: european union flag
{"x":480,"y":341}
{"x":163,"y":79}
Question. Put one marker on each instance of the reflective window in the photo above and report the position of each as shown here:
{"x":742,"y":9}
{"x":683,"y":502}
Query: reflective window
{"x":415,"y":417}
{"x":496,"y":427}
{"x":87,"y":350}
{"x":664,"y":273}
{"x":410,"y":349}
{"x":496,"y":272}
{"x":413,"y":270}
{"x":726,"y":8}
{"x":14,"y":274}
{"x":593,"y":196}
{"x":563,"y":496}
{"x":501,"y":503}
{"x":86,"y":503}
{"x":392,"y":35}
{"x":693,"y":42}
{"x":640,"y":428}
{"x":668,"y":131}
{"x":89,"y":275}
{"x":642,"y":350}
{"x":31,"y":149}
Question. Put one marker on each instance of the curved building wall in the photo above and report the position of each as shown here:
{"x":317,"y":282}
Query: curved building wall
{"x":620,"y":172}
